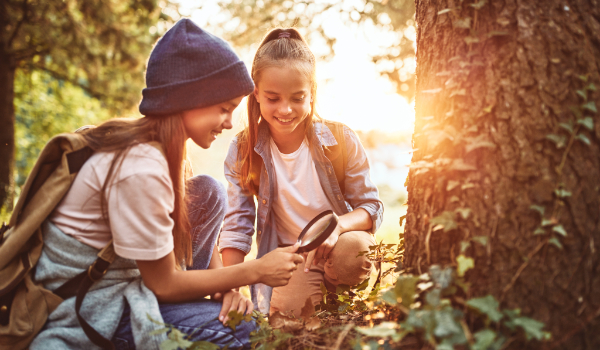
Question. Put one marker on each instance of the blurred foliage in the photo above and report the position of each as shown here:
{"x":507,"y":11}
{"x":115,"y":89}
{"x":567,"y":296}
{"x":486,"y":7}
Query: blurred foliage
{"x":44,"y":107}
{"x":100,"y":46}
{"x":251,"y":19}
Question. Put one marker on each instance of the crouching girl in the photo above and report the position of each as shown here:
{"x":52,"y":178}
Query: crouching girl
{"x":284,"y":146}
{"x":133,"y":191}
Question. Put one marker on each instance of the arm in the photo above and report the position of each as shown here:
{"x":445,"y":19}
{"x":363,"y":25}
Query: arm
{"x":172,"y":285}
{"x":232,"y":256}
{"x":215,"y":260}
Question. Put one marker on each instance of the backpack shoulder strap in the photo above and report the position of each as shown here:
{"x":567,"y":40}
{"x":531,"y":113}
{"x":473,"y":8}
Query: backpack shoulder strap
{"x":337,"y":154}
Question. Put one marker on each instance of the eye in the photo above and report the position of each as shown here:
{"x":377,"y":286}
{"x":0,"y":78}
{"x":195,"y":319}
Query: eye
{"x":272,"y":99}
{"x":299,"y":99}
{"x":224,"y":110}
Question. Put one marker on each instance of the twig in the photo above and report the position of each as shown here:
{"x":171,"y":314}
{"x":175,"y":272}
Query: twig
{"x":521,"y":268}
{"x":343,"y":335}
{"x":427,"y":247}
{"x":577,"y":330}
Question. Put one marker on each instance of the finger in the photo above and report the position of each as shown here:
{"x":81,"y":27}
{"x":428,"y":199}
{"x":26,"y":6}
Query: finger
{"x":326,"y":251}
{"x":318,"y":256}
{"x":225,"y":307}
{"x":217,"y":296}
{"x":235,"y":302}
{"x":242,"y":306}
{"x":309,"y":260}
{"x":249,"y":307}
{"x":292,"y":248}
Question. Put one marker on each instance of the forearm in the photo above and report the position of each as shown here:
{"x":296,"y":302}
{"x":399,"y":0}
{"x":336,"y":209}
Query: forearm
{"x":215,"y":260}
{"x":356,"y":220}
{"x":232,"y":256}
{"x":171,"y":285}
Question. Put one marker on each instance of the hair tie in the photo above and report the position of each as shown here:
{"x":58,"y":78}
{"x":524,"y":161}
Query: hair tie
{"x":283,"y":35}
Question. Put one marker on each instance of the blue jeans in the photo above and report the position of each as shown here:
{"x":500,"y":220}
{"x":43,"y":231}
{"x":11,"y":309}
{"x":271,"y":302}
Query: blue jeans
{"x":207,"y":204}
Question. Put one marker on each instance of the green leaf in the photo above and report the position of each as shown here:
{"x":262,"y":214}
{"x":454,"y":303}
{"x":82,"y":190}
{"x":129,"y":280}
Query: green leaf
{"x":433,"y":297}
{"x":446,"y":325}
{"x":587,"y":122}
{"x":483,"y":240}
{"x":584,"y":139}
{"x":538,"y":208}
{"x":539,"y":231}
{"x":383,"y":330}
{"x":175,"y":341}
{"x":445,"y":220}
{"x":464,"y":245}
{"x":560,"y":230}
{"x":478,"y":5}
{"x":531,"y":327}
{"x":567,"y":126}
{"x":442,"y":277}
{"x":464,"y":212}
{"x":555,"y":242}
{"x":203,"y":345}
{"x":562,"y":193}
{"x":159,"y":331}
{"x":484,"y":339}
{"x":583,"y":94}
{"x":405,"y":289}
{"x":559,"y":140}
{"x":547,"y":222}
{"x":590,"y":106}
{"x":583,"y":78}
{"x":487,"y":305}
{"x":591,"y":87}
{"x":464,"y":264}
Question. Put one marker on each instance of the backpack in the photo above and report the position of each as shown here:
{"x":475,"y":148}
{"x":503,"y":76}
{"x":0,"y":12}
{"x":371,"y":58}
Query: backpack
{"x":336,"y":155}
{"x":25,"y":305}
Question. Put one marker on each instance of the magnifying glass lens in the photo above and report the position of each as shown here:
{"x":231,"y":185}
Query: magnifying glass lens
{"x":316,"y":229}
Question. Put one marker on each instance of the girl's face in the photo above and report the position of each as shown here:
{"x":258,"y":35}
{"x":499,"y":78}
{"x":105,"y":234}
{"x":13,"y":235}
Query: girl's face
{"x":284,"y":97}
{"x":202,"y":125}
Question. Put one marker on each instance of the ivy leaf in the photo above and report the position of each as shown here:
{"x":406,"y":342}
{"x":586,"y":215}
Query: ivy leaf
{"x":405,"y":289}
{"x":559,"y":140}
{"x":562,"y":193}
{"x":442,"y":277}
{"x":587,"y":122}
{"x":590,"y":106}
{"x":463,"y":212}
{"x":160,"y":331}
{"x":547,"y":222}
{"x":539,"y":231}
{"x":483,"y":339}
{"x":464,"y":246}
{"x":433,"y":297}
{"x":582,"y":93}
{"x":531,"y":327}
{"x":487,"y":305}
{"x":464,"y":264}
{"x":483,"y":240}
{"x":203,"y":345}
{"x":463,"y":23}
{"x":591,"y":87}
{"x":175,"y":341}
{"x":446,"y":324}
{"x":560,"y":230}
{"x":567,"y":126}
{"x":584,"y":139}
{"x":538,"y":208}
{"x":445,"y":220}
{"x":383,"y":330}
{"x":555,"y":242}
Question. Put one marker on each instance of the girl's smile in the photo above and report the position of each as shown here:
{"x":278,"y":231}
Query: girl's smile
{"x":284,"y":97}
{"x":203,"y":125}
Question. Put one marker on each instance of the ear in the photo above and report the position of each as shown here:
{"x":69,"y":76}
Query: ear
{"x":255,"y":93}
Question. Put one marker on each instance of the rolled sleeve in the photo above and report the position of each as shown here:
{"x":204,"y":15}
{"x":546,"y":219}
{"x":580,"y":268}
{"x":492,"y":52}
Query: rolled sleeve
{"x":361,"y":192}
{"x":238,"y":226}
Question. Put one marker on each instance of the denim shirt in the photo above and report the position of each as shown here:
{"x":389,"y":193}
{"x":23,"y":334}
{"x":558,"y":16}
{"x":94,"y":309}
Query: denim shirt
{"x":238,"y":228}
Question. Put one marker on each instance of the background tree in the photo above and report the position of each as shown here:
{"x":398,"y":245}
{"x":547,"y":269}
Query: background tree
{"x":251,"y":19}
{"x":95,"y":45}
{"x":507,"y":139}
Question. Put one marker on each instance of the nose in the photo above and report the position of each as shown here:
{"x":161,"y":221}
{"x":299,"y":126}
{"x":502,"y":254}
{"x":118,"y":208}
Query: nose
{"x":228,"y":122}
{"x":284,"y":108}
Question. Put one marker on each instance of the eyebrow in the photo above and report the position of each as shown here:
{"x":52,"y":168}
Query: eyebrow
{"x":294,"y":93}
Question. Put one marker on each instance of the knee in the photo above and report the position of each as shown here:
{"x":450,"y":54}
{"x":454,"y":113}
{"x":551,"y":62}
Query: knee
{"x":204,"y":191}
{"x":344,"y":265}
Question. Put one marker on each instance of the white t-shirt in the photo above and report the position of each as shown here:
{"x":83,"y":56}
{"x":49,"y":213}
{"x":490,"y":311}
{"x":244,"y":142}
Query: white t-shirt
{"x":140,"y":200}
{"x":299,"y":196}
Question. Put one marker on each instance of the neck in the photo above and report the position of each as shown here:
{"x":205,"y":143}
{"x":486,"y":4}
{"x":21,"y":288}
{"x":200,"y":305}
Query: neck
{"x":289,"y":143}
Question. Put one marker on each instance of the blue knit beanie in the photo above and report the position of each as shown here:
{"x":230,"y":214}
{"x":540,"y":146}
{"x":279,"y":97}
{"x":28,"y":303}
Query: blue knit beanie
{"x":190,"y":68}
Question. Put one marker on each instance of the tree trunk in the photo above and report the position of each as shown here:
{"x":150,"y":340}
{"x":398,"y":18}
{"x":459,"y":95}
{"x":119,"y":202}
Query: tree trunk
{"x":506,"y":132}
{"x":7,"y":129}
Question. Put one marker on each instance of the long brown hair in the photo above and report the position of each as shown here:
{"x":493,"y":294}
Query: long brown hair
{"x":276,"y":50}
{"x":119,"y":135}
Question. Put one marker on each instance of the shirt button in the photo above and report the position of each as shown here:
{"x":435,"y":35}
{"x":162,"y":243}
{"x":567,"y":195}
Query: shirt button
{"x":264,"y":201}
{"x":259,"y":232}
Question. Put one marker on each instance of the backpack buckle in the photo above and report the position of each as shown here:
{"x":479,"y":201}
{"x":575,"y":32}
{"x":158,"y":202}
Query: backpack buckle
{"x":94,"y":274}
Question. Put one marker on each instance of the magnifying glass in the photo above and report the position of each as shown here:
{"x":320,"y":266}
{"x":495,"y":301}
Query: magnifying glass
{"x":317,"y":231}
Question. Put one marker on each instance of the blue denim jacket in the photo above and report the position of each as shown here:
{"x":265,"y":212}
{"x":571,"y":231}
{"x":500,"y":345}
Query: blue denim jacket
{"x":241,"y":214}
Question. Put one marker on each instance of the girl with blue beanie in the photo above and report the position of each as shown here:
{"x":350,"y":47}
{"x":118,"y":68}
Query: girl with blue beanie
{"x":286,"y":159}
{"x":133,"y":191}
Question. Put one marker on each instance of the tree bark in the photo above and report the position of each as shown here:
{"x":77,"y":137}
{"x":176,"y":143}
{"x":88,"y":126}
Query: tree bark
{"x":7,"y":129}
{"x":494,"y":84}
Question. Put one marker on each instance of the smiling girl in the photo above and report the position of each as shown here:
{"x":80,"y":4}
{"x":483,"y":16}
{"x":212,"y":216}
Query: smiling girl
{"x":284,"y":146}
{"x":133,"y":191}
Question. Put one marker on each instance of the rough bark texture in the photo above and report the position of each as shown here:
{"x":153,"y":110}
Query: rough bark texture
{"x":484,"y":110}
{"x":7,"y":128}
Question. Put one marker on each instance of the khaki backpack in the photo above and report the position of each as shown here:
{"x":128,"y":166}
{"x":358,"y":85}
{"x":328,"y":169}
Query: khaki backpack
{"x":25,"y":305}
